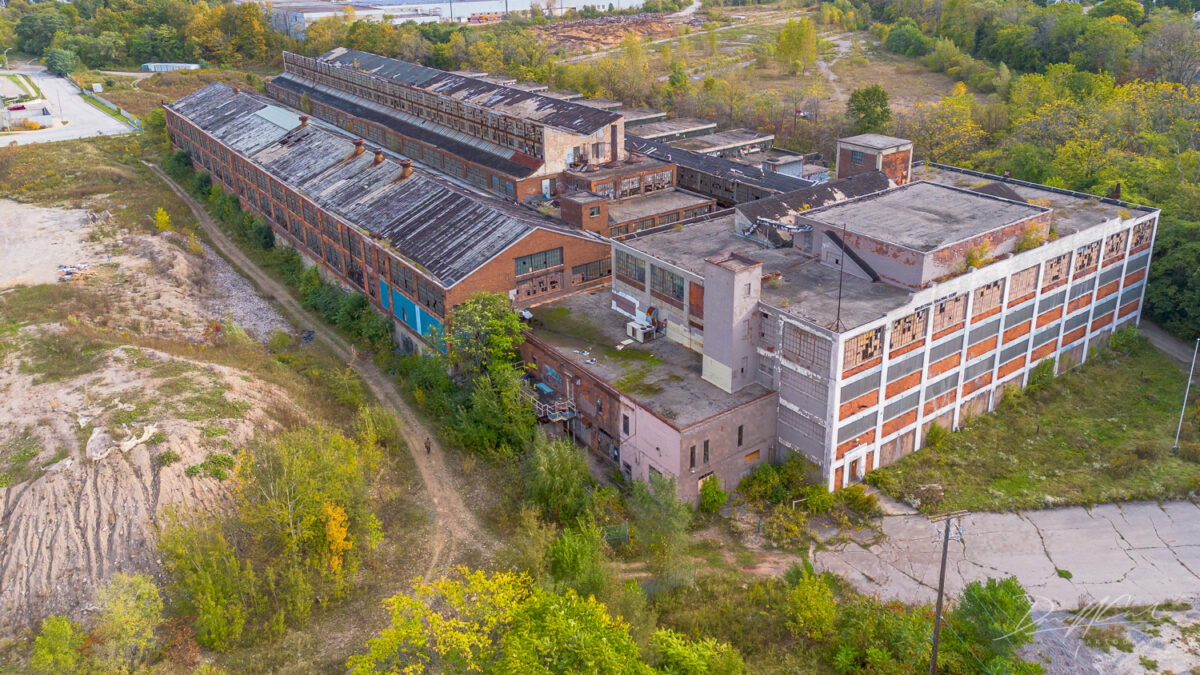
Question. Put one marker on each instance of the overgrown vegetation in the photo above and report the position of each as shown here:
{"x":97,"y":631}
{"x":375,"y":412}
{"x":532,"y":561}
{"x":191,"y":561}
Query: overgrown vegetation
{"x":1101,"y":432}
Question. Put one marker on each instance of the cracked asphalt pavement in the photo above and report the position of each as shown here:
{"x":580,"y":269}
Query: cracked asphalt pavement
{"x":1116,"y":554}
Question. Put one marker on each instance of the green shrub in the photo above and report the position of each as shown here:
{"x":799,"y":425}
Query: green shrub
{"x":217,"y":465}
{"x":57,"y":647}
{"x":810,"y":608}
{"x":167,"y":458}
{"x":1125,"y":341}
{"x":278,"y":341}
{"x":1123,"y":465}
{"x":712,"y":497}
{"x":936,"y":436}
{"x":994,"y":617}
{"x":576,"y":561}
{"x":884,"y":480}
{"x":1150,"y":450}
{"x":557,"y":479}
{"x":857,"y":499}
{"x":1190,"y":452}
{"x":671,"y":652}
{"x":818,"y":500}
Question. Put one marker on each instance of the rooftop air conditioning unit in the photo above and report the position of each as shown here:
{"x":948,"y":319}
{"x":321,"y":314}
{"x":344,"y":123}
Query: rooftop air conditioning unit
{"x":640,"y":331}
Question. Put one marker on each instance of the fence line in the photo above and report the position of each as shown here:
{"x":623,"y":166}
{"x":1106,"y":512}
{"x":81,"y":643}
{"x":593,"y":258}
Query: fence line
{"x":108,"y":104}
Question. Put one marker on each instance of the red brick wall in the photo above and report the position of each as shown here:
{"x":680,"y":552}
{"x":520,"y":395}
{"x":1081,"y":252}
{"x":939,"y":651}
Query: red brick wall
{"x":846,"y":168}
{"x":499,"y":274}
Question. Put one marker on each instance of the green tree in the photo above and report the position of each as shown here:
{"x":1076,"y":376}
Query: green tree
{"x":557,"y":479}
{"x":130,"y":612}
{"x":483,"y":334}
{"x":564,"y":633}
{"x":868,"y":109}
{"x":57,"y":647}
{"x":993,"y":618}
{"x":61,"y":61}
{"x":1130,"y":10}
{"x":576,"y":561}
{"x":661,"y":522}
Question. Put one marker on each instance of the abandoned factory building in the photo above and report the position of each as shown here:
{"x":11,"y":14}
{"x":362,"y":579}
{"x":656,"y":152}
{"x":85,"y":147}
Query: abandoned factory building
{"x":839,"y":321}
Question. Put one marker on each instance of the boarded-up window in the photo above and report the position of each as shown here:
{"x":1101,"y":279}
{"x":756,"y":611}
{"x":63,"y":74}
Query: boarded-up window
{"x":1023,"y":283}
{"x":1114,"y":246}
{"x":807,"y":349}
{"x":696,"y":300}
{"x":1142,"y":232}
{"x":863,"y":347}
{"x":987,"y":297}
{"x":909,"y":329}
{"x":1087,"y":257}
{"x":752,"y":457}
{"x":949,"y":312}
{"x":1056,"y":270}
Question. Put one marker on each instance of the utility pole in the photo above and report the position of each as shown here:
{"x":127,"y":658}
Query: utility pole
{"x":945,"y":519}
{"x":1186,"y":391}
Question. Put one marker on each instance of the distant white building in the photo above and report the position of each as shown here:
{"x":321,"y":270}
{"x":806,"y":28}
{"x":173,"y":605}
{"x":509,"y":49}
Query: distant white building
{"x":163,"y":67}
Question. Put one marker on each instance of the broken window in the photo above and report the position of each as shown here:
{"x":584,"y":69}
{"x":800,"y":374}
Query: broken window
{"x":808,"y":349}
{"x":1056,"y":270}
{"x":949,"y":312}
{"x":1142,"y":232}
{"x":862,"y":348}
{"x":1087,"y":257}
{"x":630,"y":186}
{"x":1114,"y":246}
{"x":909,"y":329}
{"x":534,"y":262}
{"x":430,"y":296}
{"x":1023,"y":283}
{"x":987,"y":297}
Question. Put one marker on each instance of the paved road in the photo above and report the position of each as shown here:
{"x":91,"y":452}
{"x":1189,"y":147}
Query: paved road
{"x":64,"y":100}
{"x":1179,"y":351}
{"x":1124,"y":554}
{"x":455,"y":525}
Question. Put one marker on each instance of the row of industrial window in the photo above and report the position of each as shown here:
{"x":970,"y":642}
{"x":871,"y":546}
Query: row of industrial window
{"x":535,"y":262}
{"x":666,"y":283}
{"x":631,"y":267}
{"x":597,"y":269}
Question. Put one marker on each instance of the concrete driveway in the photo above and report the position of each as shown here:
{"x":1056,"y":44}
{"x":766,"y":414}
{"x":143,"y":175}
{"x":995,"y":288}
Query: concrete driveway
{"x":1115,"y":555}
{"x":64,"y":101}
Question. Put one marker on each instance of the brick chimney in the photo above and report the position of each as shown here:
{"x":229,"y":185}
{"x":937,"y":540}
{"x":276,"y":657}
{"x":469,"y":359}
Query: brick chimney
{"x":237,"y":90}
{"x":359,"y":146}
{"x":378,"y":156}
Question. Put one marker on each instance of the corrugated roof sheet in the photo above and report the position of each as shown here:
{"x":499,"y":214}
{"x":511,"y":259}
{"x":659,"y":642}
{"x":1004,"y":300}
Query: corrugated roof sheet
{"x":499,"y":98}
{"x":437,"y":225}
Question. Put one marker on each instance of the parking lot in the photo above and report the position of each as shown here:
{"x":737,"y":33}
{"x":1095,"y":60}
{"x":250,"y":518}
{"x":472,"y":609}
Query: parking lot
{"x":65,"y":103}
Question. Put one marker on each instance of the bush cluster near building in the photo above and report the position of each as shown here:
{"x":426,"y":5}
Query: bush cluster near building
{"x":1099,"y":433}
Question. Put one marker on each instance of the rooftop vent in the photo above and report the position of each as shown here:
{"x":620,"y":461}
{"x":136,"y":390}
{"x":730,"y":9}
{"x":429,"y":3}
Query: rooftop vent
{"x":405,"y":169}
{"x":359,"y":147}
{"x":378,"y":156}
{"x":304,"y":120}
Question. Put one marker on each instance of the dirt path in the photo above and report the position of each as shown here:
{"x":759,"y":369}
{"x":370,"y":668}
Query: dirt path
{"x":455,"y":524}
{"x":1179,"y":351}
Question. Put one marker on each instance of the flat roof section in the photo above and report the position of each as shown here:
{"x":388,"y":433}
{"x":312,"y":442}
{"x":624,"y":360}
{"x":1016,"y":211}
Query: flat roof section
{"x":638,"y":115}
{"x":653,"y":131}
{"x":662,"y":375}
{"x":562,"y":94}
{"x":535,"y":87}
{"x":875,"y":141}
{"x":923,"y":216}
{"x":625,"y":168}
{"x":1073,"y":211}
{"x":805,"y":288}
{"x":598,"y":103}
{"x":653,"y":204}
{"x":723,"y":140}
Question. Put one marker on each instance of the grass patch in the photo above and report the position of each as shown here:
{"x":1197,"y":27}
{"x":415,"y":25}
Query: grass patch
{"x":59,"y":356}
{"x":211,"y":404}
{"x":16,"y":458}
{"x":1106,"y":637}
{"x":1065,"y":574}
{"x":563,"y":321}
{"x":167,"y":458}
{"x":217,"y":465}
{"x":20,"y":84}
{"x":1099,"y":433}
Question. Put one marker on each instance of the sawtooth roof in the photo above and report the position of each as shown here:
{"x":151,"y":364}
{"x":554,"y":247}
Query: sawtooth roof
{"x":442,"y":228}
{"x":499,"y":98}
